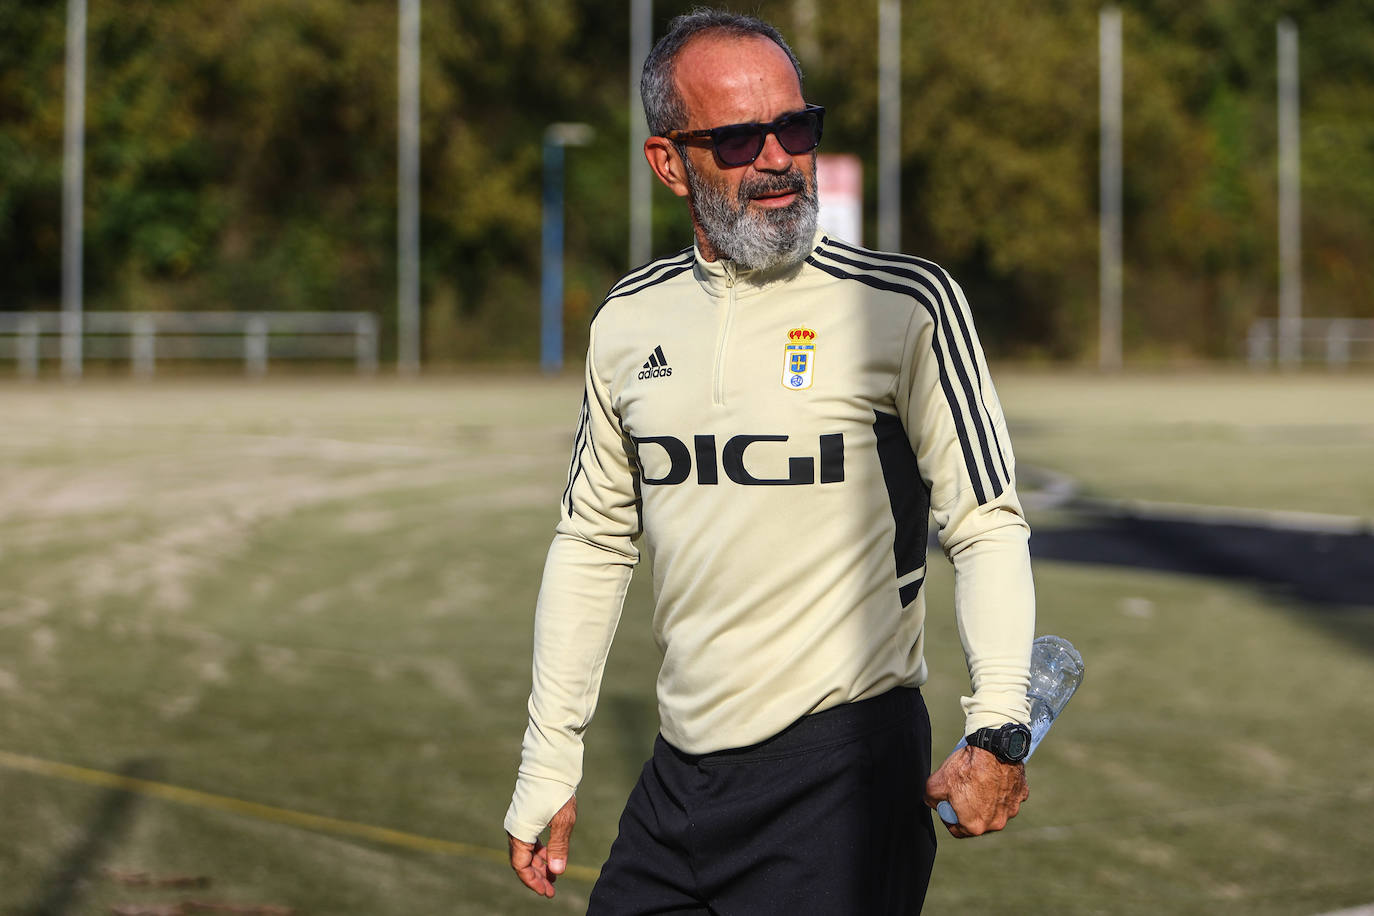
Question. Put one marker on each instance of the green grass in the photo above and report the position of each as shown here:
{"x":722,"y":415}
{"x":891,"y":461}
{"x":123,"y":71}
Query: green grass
{"x":318,"y":596}
{"x":1301,"y":442}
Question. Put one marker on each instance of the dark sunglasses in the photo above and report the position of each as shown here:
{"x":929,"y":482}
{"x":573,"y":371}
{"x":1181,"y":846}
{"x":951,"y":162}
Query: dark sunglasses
{"x":741,"y":144}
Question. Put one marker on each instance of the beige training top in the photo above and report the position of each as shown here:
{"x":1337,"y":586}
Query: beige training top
{"x":779,"y":441}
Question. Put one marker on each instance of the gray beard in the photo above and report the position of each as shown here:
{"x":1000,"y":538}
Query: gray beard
{"x":756,"y":240}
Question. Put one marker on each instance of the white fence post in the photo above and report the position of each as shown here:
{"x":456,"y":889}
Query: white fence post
{"x":27,"y":347}
{"x":143,"y":346}
{"x":1258,"y":343}
{"x":1337,"y":344}
{"x":365,"y":344}
{"x":255,"y":346}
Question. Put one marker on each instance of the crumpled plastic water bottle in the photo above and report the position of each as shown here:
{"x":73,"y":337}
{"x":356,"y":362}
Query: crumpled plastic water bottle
{"x":1056,"y":670}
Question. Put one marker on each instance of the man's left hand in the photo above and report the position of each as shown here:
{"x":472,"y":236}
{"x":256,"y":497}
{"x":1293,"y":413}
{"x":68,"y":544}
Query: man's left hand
{"x":984,"y":791}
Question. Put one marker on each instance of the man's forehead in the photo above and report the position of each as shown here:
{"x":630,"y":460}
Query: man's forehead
{"x":726,"y":79}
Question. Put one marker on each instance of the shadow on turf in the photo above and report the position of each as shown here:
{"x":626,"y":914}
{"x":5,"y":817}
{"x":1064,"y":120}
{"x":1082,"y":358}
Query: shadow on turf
{"x":59,"y":894}
{"x":1332,"y":573}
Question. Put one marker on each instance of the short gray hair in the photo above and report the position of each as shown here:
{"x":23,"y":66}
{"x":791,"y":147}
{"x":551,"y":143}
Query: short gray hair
{"x":664,"y":108}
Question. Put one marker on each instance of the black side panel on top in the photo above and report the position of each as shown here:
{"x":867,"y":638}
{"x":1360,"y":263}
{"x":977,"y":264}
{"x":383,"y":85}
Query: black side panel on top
{"x":908,"y":496}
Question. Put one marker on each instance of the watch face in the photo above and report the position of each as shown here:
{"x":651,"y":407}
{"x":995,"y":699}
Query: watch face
{"x":1018,"y":742}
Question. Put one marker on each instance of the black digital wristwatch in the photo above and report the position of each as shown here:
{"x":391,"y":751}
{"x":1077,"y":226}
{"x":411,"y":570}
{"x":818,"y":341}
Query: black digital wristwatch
{"x":1009,"y":743}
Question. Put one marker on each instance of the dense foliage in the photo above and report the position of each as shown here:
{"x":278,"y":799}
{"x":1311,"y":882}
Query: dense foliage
{"x":243,"y":155}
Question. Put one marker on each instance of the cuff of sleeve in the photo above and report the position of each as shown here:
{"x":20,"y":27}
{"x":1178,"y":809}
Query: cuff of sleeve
{"x":535,"y":802}
{"x":991,"y":712}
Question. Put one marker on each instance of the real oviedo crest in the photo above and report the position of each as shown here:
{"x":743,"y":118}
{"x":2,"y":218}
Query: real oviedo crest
{"x":799,"y":359}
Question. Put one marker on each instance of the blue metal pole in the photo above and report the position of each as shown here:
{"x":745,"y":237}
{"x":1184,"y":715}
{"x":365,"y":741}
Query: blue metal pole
{"x":551,"y":286}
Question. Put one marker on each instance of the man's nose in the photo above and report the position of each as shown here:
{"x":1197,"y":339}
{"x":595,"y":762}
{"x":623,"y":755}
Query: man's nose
{"x":773,"y":158}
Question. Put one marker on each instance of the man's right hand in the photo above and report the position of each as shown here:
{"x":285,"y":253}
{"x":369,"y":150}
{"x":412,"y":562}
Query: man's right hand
{"x":538,"y":865}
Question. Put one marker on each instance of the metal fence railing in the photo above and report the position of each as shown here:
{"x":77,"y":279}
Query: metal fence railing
{"x":1337,"y":342}
{"x":144,"y":338}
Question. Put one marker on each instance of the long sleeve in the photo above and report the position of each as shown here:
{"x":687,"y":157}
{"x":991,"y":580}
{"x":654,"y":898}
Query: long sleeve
{"x":956,"y":428}
{"x":585,"y":578}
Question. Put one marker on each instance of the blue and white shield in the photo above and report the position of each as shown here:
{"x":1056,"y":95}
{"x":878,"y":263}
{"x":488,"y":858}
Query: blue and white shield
{"x":798,"y":365}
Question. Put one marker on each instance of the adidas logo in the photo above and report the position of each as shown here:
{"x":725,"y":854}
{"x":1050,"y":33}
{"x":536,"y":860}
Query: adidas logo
{"x":656,"y":366}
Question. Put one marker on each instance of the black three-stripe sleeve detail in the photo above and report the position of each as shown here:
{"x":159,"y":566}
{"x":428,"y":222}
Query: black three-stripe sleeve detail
{"x":951,"y":300}
{"x":579,"y":442}
{"x":965,"y":328}
{"x":650,"y":282}
{"x":971,"y":394}
{"x":949,"y":305}
{"x":970,"y":461}
{"x":945,"y":302}
{"x":650,"y":276}
{"x":644,"y":271}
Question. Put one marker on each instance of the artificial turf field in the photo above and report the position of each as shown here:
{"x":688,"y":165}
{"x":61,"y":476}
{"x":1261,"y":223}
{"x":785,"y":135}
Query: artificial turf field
{"x":312,"y":599}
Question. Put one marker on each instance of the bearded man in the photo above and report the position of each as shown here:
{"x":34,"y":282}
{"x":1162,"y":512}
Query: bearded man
{"x":777,"y":414}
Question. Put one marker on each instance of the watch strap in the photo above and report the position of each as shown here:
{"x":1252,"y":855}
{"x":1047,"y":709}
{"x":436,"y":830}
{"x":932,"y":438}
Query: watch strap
{"x":1009,"y":743}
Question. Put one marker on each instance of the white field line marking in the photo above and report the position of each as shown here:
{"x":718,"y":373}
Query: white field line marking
{"x":1366,"y":910}
{"x":1279,"y":519}
{"x":316,"y":822}
{"x":1050,"y":490}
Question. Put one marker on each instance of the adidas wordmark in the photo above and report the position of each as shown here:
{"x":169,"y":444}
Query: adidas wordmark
{"x":656,"y":366}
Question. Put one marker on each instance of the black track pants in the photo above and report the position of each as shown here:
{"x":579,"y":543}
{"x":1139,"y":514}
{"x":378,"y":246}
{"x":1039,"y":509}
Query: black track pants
{"x":825,"y":818}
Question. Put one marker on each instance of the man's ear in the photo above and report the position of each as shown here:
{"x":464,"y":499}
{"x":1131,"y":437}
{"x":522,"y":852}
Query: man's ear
{"x":666,"y":162}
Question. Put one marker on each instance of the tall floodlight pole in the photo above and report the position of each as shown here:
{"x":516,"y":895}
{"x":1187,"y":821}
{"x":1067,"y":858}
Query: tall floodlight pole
{"x":804,"y":30}
{"x":1290,"y":200}
{"x":408,"y":190}
{"x":890,"y":125}
{"x":73,"y":158}
{"x":556,"y":138}
{"x":1109,"y":228}
{"x":641,"y":182}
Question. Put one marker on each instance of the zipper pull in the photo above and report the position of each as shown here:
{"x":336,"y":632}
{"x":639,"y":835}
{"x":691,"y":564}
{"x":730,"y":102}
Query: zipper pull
{"x":729,"y":274}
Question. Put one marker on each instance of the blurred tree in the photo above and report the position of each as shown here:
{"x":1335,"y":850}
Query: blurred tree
{"x":244,"y":156}
{"x":32,"y":41}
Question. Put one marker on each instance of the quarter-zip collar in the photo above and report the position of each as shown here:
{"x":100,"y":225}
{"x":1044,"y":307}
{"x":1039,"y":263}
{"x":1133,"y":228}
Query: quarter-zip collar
{"x":722,"y":276}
